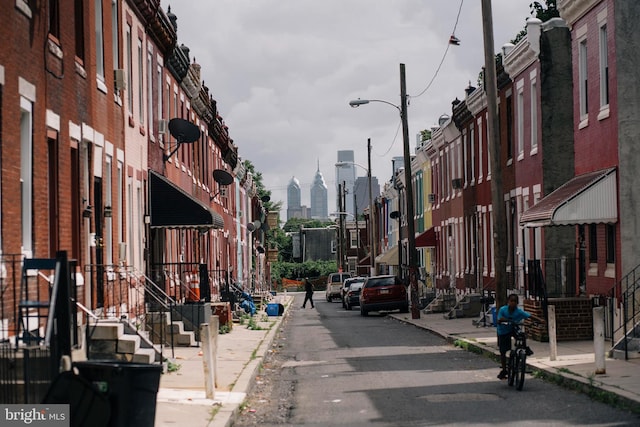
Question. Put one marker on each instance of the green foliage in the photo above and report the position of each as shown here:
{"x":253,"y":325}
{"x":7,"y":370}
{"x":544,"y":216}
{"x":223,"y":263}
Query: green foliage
{"x":545,"y":12}
{"x":172,"y":366}
{"x":292,"y":270}
{"x":425,"y":135}
{"x":224,"y":329}
{"x":294,"y":224}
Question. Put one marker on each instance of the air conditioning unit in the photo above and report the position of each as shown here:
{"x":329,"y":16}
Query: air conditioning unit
{"x":432,"y":198}
{"x":163,"y":126}
{"x":119,"y":79}
{"x":122,"y":249}
{"x":456,"y":183}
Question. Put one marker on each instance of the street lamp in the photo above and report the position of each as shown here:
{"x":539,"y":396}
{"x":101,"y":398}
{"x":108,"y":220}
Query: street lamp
{"x":413,"y":269}
{"x":374,"y":232}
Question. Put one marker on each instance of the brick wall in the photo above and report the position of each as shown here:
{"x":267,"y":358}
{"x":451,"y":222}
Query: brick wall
{"x":574,"y":319}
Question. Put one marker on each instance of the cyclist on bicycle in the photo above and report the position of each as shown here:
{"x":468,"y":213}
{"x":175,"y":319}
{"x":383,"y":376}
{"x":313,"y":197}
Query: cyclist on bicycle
{"x":510,"y":313}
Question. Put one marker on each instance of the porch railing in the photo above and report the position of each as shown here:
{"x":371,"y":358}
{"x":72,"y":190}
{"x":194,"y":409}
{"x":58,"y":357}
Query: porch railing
{"x":622,"y":311}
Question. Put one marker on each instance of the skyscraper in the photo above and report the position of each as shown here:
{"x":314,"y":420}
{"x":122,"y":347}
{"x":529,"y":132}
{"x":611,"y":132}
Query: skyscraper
{"x":319,"y":206}
{"x":361,"y":192}
{"x":346,"y":174}
{"x":294,"y":207}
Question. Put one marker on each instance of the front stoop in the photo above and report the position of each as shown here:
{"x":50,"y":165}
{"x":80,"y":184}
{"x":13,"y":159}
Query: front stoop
{"x":173,"y":332}
{"x":469,"y":306}
{"x":442,"y":303}
{"x":633,"y":349}
{"x":109,"y":341}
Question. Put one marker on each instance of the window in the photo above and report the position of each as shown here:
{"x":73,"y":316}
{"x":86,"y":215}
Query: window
{"x":534,"y":116}
{"x":26,"y":174}
{"x":465,"y":154}
{"x":160,"y":94}
{"x":117,"y":209}
{"x":604,"y":68}
{"x":611,"y":243}
{"x":150,"y":89}
{"x":509,"y":113}
{"x":115,"y":40}
{"x":583,"y":79}
{"x":99,"y":41}
{"x":479,"y":150}
{"x":108,"y":220}
{"x":593,"y":243}
{"x":54,"y":19}
{"x":520,"y":124}
{"x":79,"y":29}
{"x":129,"y":69}
{"x":472,"y":149}
{"x":140,"y":82}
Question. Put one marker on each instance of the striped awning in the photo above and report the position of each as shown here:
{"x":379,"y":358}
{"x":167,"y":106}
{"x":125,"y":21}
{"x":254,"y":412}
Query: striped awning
{"x":172,"y":207}
{"x":585,"y":199}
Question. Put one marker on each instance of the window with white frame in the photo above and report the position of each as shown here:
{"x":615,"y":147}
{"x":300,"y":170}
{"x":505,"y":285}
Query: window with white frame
{"x":115,"y":42}
{"x":129,"y":69}
{"x":150,"y":89}
{"x":604,"y":68}
{"x":480,"y":150}
{"x":465,"y":154}
{"x":583,"y":79}
{"x":534,"y":116}
{"x":117,"y":209}
{"x":353,"y":239}
{"x":520,"y":118}
{"x":99,"y":40}
{"x":26,"y":174}
{"x":108,"y":220}
{"x":140,"y":82}
{"x":472,"y":149}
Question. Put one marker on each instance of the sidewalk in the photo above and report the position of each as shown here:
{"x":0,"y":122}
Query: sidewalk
{"x":181,"y":399}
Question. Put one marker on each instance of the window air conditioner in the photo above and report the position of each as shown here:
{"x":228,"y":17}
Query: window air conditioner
{"x":456,"y":183}
{"x":432,"y":198}
{"x":119,"y":81}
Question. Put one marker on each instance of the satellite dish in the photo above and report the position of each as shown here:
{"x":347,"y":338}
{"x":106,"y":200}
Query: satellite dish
{"x":222,"y":177}
{"x":251,"y":227}
{"x":256,"y":224}
{"x":265,"y":198}
{"x":183,"y":130}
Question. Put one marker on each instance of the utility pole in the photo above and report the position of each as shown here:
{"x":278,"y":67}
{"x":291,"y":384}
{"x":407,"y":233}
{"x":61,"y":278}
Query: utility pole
{"x":340,"y":228}
{"x":497,"y":190}
{"x":372,"y":223}
{"x":413,"y":268}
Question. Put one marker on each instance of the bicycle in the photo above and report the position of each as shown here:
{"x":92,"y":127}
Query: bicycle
{"x":517,"y":365}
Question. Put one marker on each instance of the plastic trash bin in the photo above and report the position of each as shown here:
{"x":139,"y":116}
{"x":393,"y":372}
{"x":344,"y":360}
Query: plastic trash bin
{"x":274,"y":309}
{"x":131,"y":388}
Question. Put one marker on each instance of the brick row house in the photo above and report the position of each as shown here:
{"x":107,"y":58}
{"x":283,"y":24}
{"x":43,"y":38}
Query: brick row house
{"x":566,"y":109}
{"x":95,"y":98}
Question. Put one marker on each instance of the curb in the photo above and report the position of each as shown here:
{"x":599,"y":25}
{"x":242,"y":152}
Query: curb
{"x":598,"y":392}
{"x":246,"y":380}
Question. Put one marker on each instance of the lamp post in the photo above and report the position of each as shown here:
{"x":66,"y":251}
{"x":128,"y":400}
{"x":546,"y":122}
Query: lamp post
{"x":413,"y":276}
{"x":374,"y":231}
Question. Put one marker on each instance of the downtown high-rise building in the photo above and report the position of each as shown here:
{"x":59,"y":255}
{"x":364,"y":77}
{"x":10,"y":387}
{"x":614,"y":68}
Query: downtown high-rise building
{"x":295,"y":209}
{"x":319,"y":205}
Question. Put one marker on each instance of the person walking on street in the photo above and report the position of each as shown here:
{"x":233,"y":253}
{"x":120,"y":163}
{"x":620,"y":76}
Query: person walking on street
{"x":308,"y":293}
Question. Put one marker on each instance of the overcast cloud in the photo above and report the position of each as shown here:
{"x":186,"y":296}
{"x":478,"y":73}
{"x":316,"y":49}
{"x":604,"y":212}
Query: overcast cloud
{"x":283,"y":72}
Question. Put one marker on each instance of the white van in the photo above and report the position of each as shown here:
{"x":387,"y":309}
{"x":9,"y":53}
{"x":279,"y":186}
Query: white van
{"x":334,"y":285}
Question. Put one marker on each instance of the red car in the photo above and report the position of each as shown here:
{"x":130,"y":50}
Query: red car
{"x":383,"y":293}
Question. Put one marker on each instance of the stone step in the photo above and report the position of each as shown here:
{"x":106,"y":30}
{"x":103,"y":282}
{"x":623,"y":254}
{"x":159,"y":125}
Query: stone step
{"x":144,"y":355}
{"x":106,"y":331}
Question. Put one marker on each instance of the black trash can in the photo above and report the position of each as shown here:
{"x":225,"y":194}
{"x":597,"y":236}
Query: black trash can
{"x":131,"y":388}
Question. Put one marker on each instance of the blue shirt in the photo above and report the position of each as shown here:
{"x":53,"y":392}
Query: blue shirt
{"x":517,"y":316}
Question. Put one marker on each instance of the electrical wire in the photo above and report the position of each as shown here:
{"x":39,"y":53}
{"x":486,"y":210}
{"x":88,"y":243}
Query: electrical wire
{"x":443,"y":56}
{"x":393,"y":142}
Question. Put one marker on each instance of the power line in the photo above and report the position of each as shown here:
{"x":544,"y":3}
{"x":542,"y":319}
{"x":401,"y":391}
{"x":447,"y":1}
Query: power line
{"x":443,"y":56}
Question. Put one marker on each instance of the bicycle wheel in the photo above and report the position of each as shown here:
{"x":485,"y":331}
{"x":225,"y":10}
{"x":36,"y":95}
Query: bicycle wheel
{"x":521,"y":369}
{"x":511,"y":368}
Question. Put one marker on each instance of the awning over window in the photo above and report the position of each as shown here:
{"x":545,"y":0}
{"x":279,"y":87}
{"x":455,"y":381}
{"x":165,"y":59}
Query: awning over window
{"x":427,"y":239}
{"x":585,"y":199}
{"x":172,"y":207}
{"x":390,"y":257}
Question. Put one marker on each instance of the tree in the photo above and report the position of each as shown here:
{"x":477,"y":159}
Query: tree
{"x":545,"y":12}
{"x":425,"y":135}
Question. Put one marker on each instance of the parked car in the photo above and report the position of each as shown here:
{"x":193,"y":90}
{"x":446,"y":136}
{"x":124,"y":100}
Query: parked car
{"x":352,"y":297}
{"x":383,"y":293}
{"x":334,"y":285}
{"x":346,"y":284}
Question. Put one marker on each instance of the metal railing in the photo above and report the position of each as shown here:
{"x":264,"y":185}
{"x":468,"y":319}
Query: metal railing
{"x":622,"y":311}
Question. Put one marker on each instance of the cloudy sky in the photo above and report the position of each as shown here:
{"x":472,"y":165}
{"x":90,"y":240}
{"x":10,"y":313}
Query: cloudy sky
{"x":284,"y":71}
